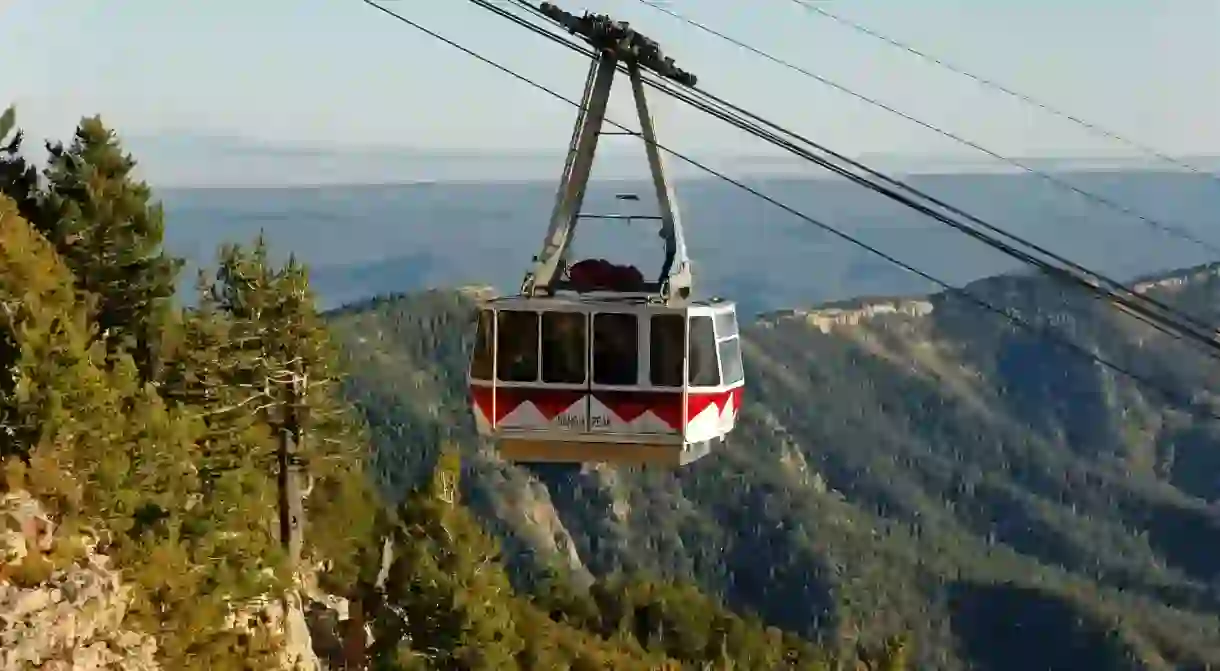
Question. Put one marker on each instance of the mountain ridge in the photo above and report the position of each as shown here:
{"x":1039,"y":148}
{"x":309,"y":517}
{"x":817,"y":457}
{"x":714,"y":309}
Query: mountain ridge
{"x":1140,"y":284}
{"x":369,"y":241}
{"x":957,"y":477}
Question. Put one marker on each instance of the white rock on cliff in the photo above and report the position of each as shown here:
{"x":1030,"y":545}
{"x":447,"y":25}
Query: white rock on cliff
{"x":73,"y":620}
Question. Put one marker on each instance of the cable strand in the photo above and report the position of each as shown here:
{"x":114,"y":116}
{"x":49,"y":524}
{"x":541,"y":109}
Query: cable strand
{"x":1168,"y":229}
{"x":992,"y":84}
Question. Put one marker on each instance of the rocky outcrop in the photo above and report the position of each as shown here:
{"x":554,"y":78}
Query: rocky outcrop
{"x":827,"y":318}
{"x":70,"y":618}
{"x":831,"y":316}
{"x":479,"y":292}
{"x":267,"y":614}
{"x":1176,"y":281}
{"x":310,"y":623}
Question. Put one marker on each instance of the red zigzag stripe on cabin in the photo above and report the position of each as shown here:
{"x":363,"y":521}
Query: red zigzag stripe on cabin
{"x":626,"y":405}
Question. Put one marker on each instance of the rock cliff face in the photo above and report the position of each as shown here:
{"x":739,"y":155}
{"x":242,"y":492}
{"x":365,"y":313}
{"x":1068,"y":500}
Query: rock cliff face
{"x":71,"y":619}
{"x":1177,"y":281}
{"x":316,"y":627}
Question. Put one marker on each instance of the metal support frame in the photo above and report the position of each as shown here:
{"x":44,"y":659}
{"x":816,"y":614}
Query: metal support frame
{"x":676,"y":278}
{"x":676,"y":283}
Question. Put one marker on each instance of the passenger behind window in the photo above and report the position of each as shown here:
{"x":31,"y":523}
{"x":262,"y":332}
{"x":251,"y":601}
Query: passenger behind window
{"x":563,"y":348}
{"x":518,"y":346}
{"x":704,"y":370}
{"x":667,"y":355}
{"x":614,"y":350}
{"x":483,"y":362}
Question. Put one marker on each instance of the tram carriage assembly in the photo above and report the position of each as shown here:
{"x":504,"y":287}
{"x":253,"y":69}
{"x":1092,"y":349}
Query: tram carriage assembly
{"x":591,"y":362}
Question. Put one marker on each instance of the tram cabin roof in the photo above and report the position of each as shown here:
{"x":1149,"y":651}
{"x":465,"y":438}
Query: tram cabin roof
{"x":604,"y":300}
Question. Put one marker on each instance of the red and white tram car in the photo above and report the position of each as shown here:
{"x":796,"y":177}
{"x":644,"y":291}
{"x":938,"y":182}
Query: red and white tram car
{"x":606,"y":379}
{"x":590,"y":363}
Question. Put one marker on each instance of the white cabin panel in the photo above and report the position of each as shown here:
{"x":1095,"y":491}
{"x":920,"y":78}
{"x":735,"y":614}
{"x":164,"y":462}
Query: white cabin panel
{"x":524,"y":416}
{"x":568,"y":411}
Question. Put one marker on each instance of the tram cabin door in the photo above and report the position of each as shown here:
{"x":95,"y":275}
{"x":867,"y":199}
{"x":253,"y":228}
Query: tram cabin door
{"x":637,"y":360}
{"x":564,"y":350}
{"x":614,"y":364}
{"x":541,"y":364}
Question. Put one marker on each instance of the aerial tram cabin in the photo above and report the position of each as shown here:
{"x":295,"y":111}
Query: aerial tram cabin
{"x":590,"y":362}
{"x":606,"y":379}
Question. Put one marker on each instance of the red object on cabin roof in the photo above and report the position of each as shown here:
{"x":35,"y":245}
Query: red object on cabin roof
{"x":600,"y":274}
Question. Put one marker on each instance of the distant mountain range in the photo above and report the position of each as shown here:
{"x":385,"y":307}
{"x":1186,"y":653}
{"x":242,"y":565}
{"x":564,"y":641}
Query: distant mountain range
{"x":188,"y":160}
{"x":366,"y":240}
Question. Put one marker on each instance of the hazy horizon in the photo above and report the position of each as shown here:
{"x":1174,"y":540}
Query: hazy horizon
{"x":370,"y":240}
{"x":201,"y":161}
{"x":320,"y":73}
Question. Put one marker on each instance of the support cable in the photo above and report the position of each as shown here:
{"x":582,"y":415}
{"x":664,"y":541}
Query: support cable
{"x":996,"y":86}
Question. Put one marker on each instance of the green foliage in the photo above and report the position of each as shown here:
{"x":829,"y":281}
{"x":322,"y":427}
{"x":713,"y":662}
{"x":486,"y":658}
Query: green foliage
{"x":105,"y":226}
{"x":679,"y":622}
{"x":454,"y":599}
{"x":448,"y":604}
{"x":178,"y":476}
{"x":257,"y":358}
{"x":18,"y":178}
{"x":109,"y":455}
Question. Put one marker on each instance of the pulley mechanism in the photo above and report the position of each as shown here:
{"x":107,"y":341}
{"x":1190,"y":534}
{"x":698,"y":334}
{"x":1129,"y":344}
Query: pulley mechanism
{"x":604,"y":33}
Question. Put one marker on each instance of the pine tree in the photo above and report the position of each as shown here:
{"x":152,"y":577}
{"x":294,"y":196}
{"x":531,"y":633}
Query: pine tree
{"x":106,"y":453}
{"x":253,"y":360}
{"x":451,"y":596}
{"x":104,"y":224}
{"x":18,"y":177}
{"x":275,"y":337}
{"x":39,"y":320}
{"x":894,"y":655}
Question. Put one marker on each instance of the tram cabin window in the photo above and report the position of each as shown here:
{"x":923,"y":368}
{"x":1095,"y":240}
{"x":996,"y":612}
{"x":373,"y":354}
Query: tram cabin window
{"x":482,"y":363}
{"x":668,"y":350}
{"x":518,"y":346}
{"x":730,"y":360}
{"x":615,"y":349}
{"x":564,"y":347}
{"x":704,"y":372}
{"x":726,"y":324}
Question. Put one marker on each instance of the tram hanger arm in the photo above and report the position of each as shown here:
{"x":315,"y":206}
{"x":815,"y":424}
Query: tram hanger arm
{"x":677,"y":284}
{"x":549,"y":263}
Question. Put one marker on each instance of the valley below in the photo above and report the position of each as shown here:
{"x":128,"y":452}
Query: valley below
{"x":901,"y":465}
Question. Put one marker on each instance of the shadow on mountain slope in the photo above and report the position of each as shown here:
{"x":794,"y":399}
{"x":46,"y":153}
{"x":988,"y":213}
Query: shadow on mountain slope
{"x":1007,"y":627}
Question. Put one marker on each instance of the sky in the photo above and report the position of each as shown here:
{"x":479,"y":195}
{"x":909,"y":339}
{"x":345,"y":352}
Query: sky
{"x":337,"y":73}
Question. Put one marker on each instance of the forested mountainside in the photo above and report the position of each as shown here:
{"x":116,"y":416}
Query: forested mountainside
{"x":147,"y":488}
{"x":910,"y":466}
